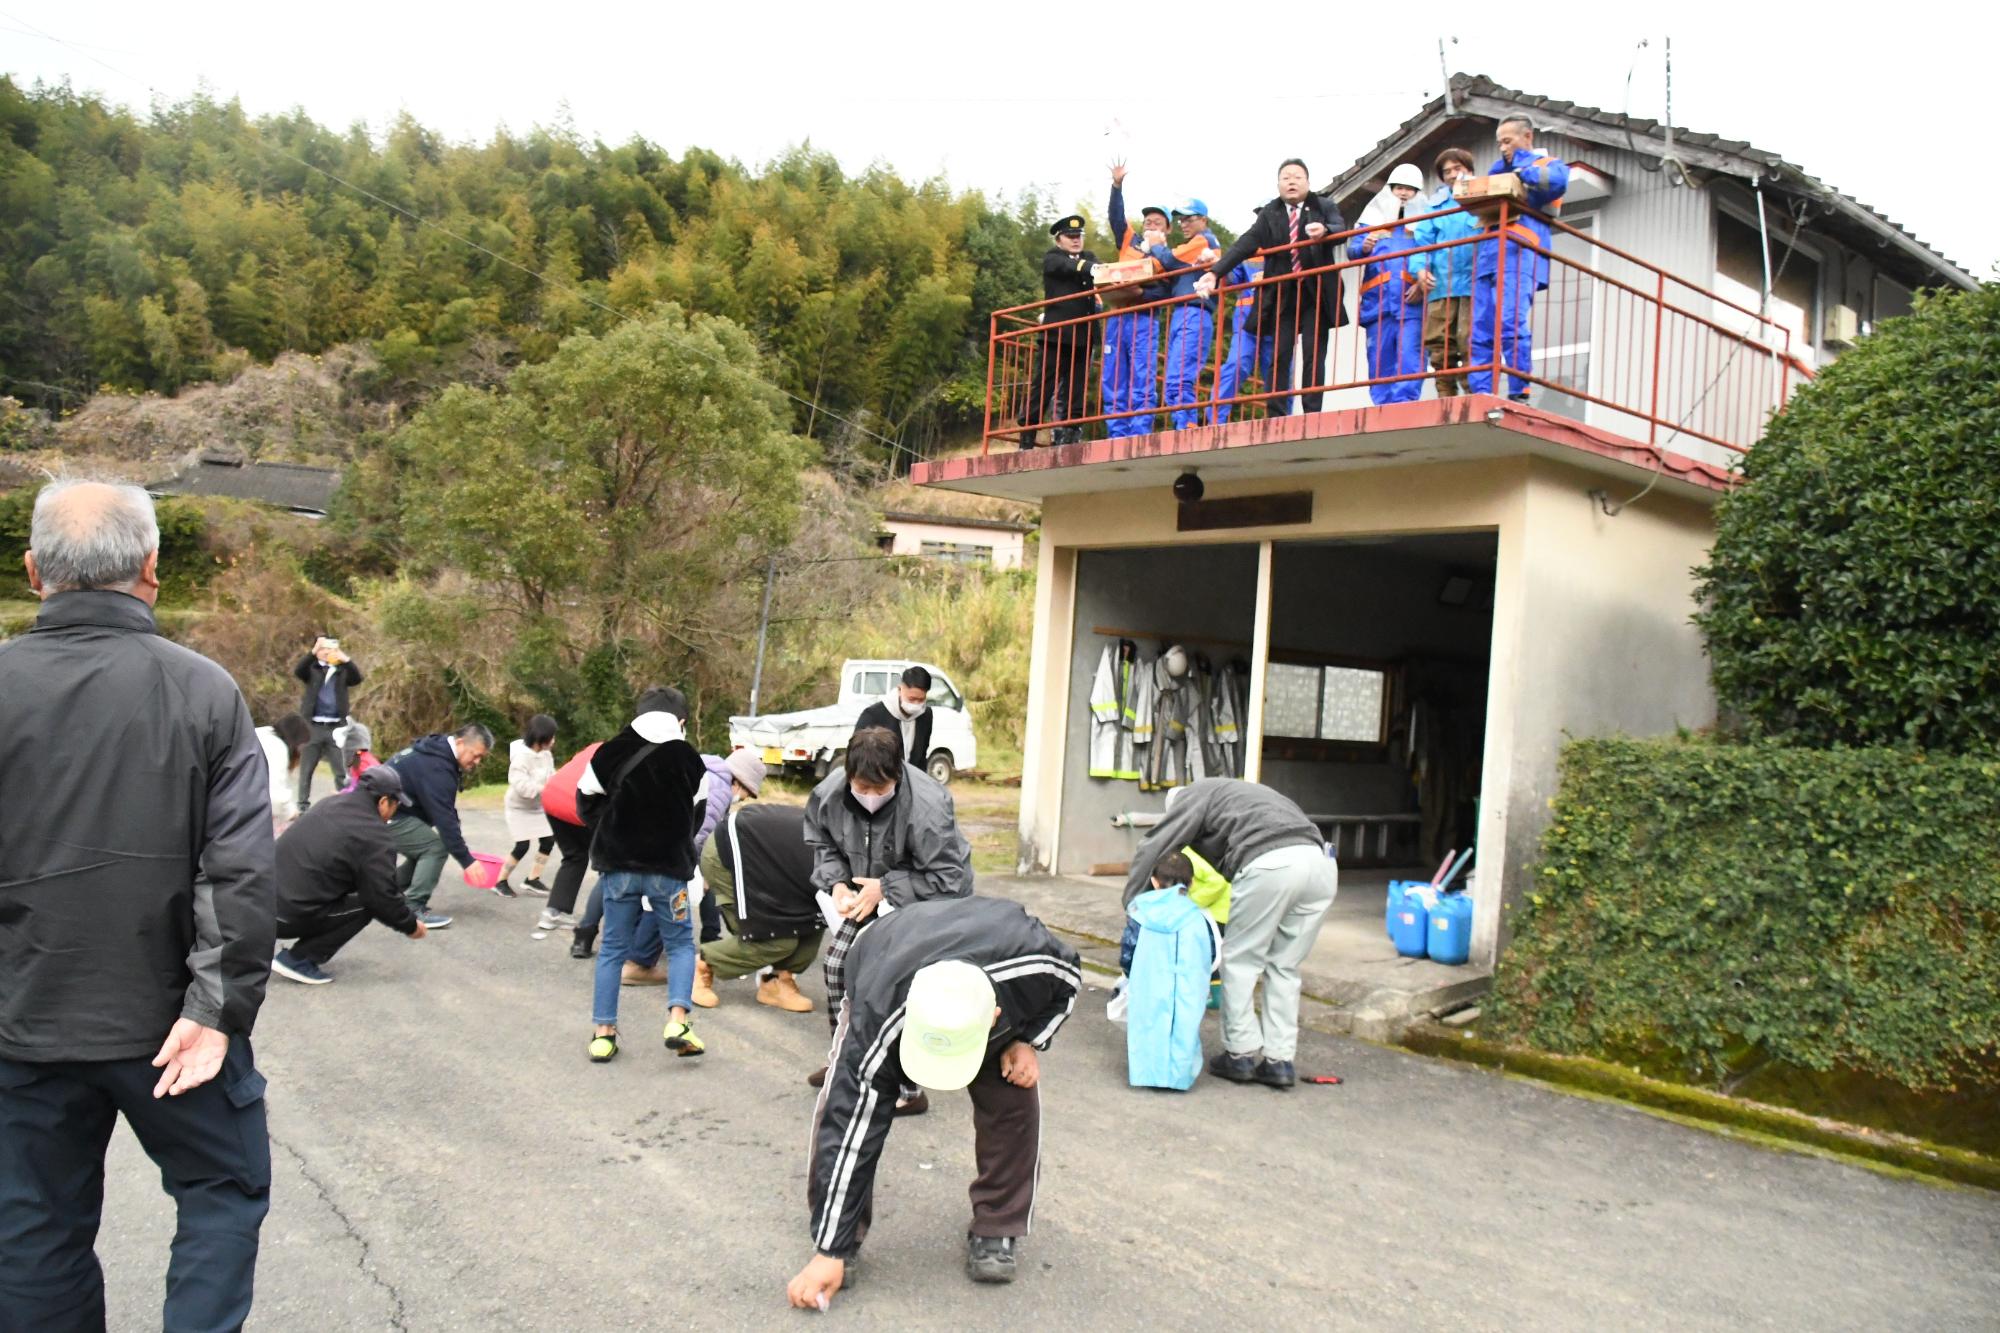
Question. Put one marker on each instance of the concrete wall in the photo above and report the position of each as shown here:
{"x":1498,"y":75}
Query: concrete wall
{"x":1598,"y":610}
{"x":1187,"y":593}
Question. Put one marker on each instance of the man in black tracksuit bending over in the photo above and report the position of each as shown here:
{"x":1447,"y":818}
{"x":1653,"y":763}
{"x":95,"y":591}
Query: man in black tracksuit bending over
{"x":945,"y":994}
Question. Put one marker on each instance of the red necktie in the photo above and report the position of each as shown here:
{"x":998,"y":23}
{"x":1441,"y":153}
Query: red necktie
{"x":1296,"y":265}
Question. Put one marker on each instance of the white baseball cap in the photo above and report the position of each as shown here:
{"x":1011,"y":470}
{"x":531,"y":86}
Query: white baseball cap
{"x":946,"y":1020}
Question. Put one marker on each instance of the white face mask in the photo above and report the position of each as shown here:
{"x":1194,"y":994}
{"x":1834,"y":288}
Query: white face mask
{"x":904,"y":708}
{"x":872,"y":801}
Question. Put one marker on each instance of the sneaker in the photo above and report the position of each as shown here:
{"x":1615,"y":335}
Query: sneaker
{"x":680,"y":1039}
{"x":289,"y":964}
{"x":916,"y":1104}
{"x":536,"y":887}
{"x":1275,"y":1073}
{"x":989,"y":1258}
{"x":550,"y":919}
{"x":817,"y":1077}
{"x":1235,"y":1068}
{"x":603,"y":1049}
{"x":505,"y":890}
{"x":433,"y":920}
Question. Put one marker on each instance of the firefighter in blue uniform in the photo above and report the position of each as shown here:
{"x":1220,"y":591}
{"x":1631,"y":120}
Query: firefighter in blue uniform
{"x":1132,"y":337}
{"x":1191,"y":330}
{"x":1249,"y":354}
{"x":1391,"y":307}
{"x":1062,"y":354}
{"x":1527,"y":270}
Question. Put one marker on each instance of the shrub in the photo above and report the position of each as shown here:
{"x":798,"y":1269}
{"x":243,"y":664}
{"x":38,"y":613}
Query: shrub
{"x":1714,"y":905}
{"x":1853,"y":592}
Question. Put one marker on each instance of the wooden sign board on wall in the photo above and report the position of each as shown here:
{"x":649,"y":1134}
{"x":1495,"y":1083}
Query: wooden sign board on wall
{"x":1247,"y":511}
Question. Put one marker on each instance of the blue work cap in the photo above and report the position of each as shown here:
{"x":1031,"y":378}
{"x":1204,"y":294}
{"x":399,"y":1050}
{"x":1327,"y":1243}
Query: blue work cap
{"x":1191,"y":207}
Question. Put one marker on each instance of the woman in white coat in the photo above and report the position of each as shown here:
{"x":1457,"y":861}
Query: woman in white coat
{"x":531,"y":762}
{"x":284,"y":741}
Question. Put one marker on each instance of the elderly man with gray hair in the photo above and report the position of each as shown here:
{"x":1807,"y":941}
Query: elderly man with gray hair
{"x":137,"y":914}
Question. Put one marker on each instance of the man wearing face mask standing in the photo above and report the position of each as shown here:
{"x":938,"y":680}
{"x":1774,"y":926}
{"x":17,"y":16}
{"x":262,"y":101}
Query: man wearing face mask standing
{"x":884,"y":834}
{"x":906,"y":711}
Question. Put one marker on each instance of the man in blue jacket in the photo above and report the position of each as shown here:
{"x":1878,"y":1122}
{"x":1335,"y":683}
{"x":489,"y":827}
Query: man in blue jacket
{"x":1509,"y":303}
{"x":1131,"y":337}
{"x":428,"y":831}
{"x":1249,"y":354}
{"x":1444,"y":277}
{"x":1191,"y":328}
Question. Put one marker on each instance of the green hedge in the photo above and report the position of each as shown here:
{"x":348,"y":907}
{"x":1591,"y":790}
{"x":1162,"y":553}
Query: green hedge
{"x":1717,"y":907}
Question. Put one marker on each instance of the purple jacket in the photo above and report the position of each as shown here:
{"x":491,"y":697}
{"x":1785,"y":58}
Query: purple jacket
{"x":719,"y":778}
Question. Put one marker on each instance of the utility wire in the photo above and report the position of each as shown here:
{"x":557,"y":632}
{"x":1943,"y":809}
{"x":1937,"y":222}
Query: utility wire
{"x":581,"y":295}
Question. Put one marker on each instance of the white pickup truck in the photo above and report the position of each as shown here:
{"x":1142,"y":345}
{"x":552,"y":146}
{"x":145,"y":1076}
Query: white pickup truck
{"x":814,"y":739}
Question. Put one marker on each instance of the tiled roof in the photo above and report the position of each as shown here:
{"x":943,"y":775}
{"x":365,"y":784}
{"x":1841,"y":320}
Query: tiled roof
{"x":287,"y":485}
{"x":1754,"y":159}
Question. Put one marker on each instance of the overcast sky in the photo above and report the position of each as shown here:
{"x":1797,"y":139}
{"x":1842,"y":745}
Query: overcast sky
{"x":1002,"y":99}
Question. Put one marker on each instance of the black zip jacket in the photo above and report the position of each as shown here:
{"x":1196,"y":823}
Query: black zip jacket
{"x":312,"y":674}
{"x":431,"y":775}
{"x":877,"y":714}
{"x":136,"y":881}
{"x":338,"y":847}
{"x":646,"y":822}
{"x":1035,"y":978}
{"x":759,"y":868}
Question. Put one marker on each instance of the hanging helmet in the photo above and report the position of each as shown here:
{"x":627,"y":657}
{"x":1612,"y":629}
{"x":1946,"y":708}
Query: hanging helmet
{"x":1410,"y":174}
{"x":1176,"y":661}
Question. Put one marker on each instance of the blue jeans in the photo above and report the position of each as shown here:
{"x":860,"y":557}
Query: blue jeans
{"x":624,"y":892}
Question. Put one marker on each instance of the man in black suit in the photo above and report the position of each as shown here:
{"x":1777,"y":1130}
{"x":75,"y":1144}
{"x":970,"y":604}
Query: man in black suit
{"x":1289,"y":308}
{"x":906,"y":714}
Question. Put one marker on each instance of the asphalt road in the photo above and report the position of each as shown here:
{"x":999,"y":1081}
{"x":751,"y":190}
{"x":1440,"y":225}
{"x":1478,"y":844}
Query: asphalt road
{"x":446,"y":1158}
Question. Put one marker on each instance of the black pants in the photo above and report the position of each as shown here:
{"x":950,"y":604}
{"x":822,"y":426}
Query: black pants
{"x":1062,"y":359}
{"x":321,"y":748}
{"x":214,"y":1155}
{"x":1314,"y":340}
{"x":573,"y":841}
{"x":322,"y":933}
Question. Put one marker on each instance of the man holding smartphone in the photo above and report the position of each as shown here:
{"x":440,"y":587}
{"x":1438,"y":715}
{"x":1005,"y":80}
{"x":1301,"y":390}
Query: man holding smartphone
{"x":327,"y":674}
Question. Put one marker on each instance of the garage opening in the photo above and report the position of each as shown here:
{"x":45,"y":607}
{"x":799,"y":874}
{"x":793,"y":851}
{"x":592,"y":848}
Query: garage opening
{"x":1375,"y":692}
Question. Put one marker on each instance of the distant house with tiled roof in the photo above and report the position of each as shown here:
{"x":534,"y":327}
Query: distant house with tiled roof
{"x":298,"y":487}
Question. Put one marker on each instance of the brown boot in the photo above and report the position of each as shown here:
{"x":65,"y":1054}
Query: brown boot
{"x":631,"y":974}
{"x":704,"y":985}
{"x":781,"y":992}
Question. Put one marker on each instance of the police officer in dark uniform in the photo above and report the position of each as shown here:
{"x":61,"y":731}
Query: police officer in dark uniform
{"x":1063,"y":356}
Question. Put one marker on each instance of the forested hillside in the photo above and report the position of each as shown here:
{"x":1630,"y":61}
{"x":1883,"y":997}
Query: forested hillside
{"x":147,"y":254}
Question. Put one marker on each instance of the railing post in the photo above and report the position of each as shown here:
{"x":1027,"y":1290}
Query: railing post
{"x":1215,"y":361}
{"x":1499,"y":303}
{"x":1659,"y":336}
{"x":992,"y":355}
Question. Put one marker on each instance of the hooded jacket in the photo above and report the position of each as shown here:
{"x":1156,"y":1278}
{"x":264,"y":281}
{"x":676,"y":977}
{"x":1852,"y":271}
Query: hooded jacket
{"x":912,"y":844}
{"x":917,"y":738}
{"x":1036,"y":978}
{"x":1230,"y":822}
{"x":136,"y":882}
{"x":646,"y":793}
{"x":430,"y":773}
{"x":341,"y":846}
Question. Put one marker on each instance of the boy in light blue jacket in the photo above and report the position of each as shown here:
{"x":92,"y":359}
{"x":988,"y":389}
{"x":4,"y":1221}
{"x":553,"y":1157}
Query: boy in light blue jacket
{"x":1170,"y":950}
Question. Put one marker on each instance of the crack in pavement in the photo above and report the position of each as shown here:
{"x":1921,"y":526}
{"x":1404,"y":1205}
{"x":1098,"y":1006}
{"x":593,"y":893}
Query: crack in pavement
{"x":398,"y":1311}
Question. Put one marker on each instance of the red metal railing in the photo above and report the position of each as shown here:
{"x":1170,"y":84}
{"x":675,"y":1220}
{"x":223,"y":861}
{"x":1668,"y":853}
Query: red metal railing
{"x":1612,"y":340}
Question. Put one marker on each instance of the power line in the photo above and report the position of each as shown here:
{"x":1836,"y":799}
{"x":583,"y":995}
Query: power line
{"x":811,"y":405}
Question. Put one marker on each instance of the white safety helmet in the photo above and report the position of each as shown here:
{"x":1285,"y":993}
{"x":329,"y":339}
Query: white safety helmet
{"x":1176,"y":661}
{"x":1410,"y":174}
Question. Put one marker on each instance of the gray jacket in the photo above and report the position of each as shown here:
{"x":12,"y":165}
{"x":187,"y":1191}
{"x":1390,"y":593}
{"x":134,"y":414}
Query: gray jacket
{"x":911,"y":844}
{"x":1229,"y":821}
{"x":136,"y":882}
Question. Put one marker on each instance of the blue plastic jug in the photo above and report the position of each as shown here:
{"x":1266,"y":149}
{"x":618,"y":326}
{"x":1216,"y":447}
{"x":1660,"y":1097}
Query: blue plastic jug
{"x":1409,"y":922}
{"x":1449,"y":934}
{"x":1397,"y":888}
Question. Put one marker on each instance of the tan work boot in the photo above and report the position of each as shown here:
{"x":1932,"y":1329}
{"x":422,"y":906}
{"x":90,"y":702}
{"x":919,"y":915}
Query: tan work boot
{"x":631,"y":974}
{"x":781,"y":992}
{"x":704,"y":985}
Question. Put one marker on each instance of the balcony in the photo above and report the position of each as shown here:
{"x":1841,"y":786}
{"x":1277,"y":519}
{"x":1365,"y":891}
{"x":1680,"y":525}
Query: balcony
{"x":1632,"y":369}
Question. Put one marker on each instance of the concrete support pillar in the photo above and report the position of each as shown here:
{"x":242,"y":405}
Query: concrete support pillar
{"x":1260,"y":656}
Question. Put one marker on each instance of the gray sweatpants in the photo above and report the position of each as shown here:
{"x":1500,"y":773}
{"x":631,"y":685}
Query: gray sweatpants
{"x":1276,"y":905}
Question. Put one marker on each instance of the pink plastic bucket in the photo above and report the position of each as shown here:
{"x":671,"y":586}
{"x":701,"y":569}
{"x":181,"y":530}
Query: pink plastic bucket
{"x":484,"y":872}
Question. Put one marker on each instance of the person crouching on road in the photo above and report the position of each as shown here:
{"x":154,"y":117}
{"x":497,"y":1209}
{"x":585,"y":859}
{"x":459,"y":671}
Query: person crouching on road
{"x":432,"y":767}
{"x":758,"y":869}
{"x":337,"y":872}
{"x":645,"y":791}
{"x":946,"y":995}
{"x":881,"y":832}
